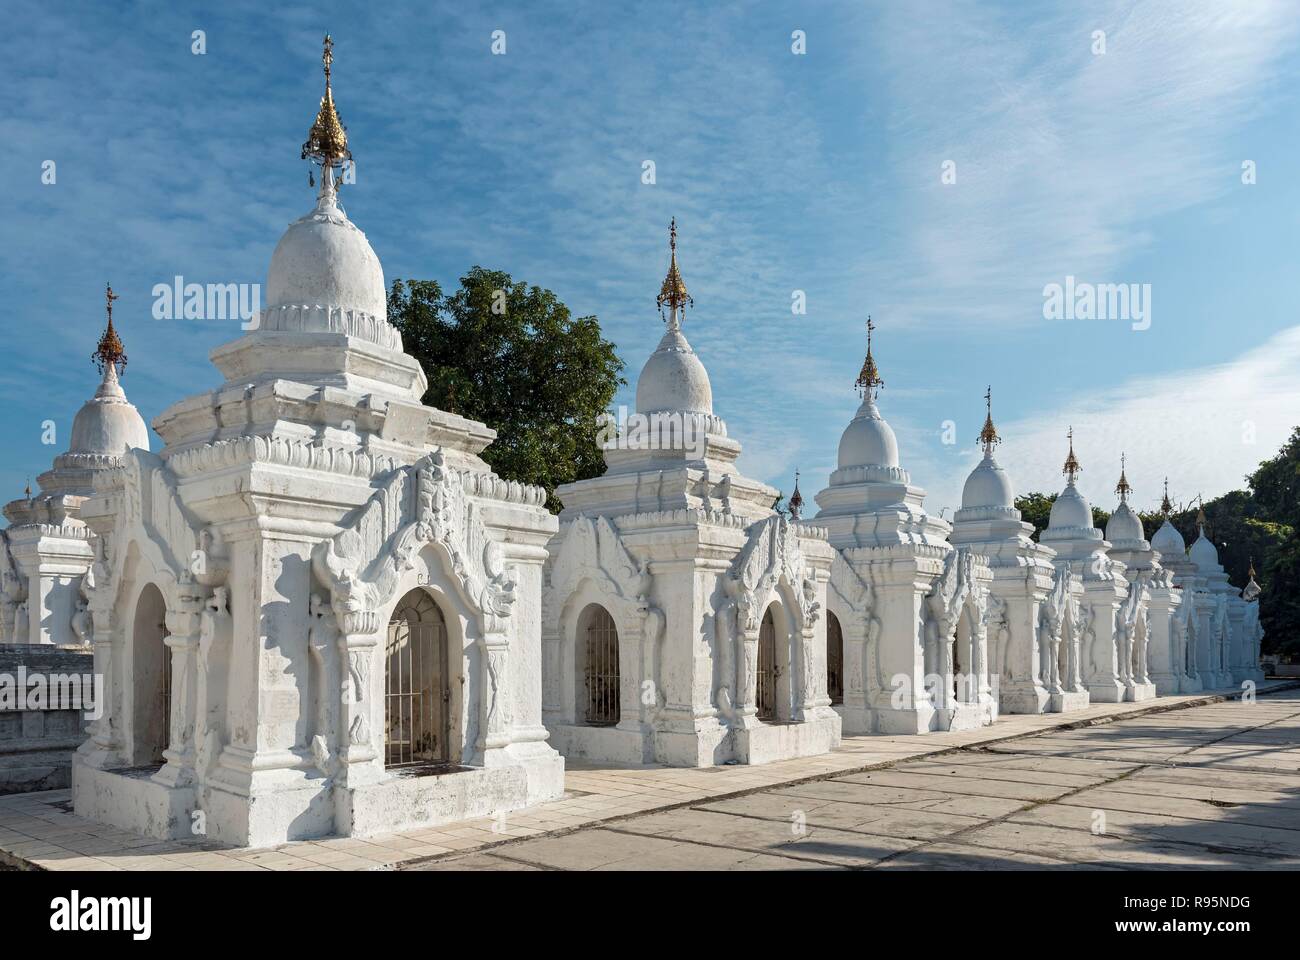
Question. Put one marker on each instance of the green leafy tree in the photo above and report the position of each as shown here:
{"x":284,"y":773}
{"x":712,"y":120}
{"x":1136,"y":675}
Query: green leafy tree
{"x":513,"y":357}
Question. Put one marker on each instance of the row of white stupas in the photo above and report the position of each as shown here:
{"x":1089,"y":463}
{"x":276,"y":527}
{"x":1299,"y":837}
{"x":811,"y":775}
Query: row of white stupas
{"x":318,"y":611}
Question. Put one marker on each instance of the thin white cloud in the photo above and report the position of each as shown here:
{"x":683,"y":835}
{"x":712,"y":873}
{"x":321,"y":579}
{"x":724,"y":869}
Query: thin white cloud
{"x":1204,"y":428}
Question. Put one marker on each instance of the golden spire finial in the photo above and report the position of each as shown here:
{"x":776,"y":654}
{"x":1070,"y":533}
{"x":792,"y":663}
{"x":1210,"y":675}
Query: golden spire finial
{"x":796,"y":499}
{"x":989,"y":435}
{"x":1123,"y":488}
{"x":1251,"y":572}
{"x":869,"y":382}
{"x":673,"y":290}
{"x":327,"y":141}
{"x":1200,"y":512}
{"x":109,"y":351}
{"x":1166,"y":507}
{"x":1071,"y":468}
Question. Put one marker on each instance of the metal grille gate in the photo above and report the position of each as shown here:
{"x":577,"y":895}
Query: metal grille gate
{"x":602,"y":668}
{"x":834,"y":659}
{"x":766,"y":680}
{"x":417,"y":693}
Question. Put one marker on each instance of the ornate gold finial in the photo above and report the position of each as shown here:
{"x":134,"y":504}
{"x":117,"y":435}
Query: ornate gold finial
{"x":1166,"y":508}
{"x":1200,"y":511}
{"x":109,"y":351}
{"x":1123,"y":488}
{"x":869,"y":381}
{"x":796,"y":499}
{"x":1251,"y":572}
{"x":327,"y":141}
{"x":673,"y":291}
{"x":989,"y":435}
{"x":1071,"y":468}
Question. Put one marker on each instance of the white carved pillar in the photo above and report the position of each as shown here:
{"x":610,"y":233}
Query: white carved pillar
{"x":495,"y":725}
{"x":359,"y":716}
{"x":182,"y":640}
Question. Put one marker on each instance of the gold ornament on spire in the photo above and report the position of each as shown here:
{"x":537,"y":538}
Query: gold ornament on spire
{"x":1200,"y":511}
{"x":1123,"y":488}
{"x":1071,"y":468}
{"x":1166,"y":508}
{"x":1252,"y":590}
{"x":796,"y":499}
{"x":869,"y":382}
{"x":989,"y":435}
{"x":673,"y":291}
{"x":327,"y":141}
{"x":109,"y":351}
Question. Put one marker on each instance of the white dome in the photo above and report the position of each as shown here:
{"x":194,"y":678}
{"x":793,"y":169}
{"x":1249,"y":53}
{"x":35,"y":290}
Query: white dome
{"x":106,"y":424}
{"x":674,"y":379}
{"x":868,"y":441}
{"x":324,"y":260}
{"x":1124,"y":524}
{"x":1070,"y":509}
{"x":1204,"y":554}
{"x":1168,"y":541}
{"x":987,"y":486}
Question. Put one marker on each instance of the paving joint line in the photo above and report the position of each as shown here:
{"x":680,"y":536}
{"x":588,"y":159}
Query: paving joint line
{"x":1201,"y":701}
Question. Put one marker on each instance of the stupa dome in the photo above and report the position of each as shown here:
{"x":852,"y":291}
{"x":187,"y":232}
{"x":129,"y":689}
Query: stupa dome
{"x":1070,"y":509}
{"x":674,"y":379}
{"x":1168,"y":541}
{"x":1124,"y":524}
{"x":868,"y":441}
{"x":987,"y":486}
{"x":107,"y":424}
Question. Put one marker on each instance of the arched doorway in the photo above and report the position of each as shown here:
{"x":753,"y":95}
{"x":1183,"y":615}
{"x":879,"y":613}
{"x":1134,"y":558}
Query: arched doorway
{"x":151,"y":673}
{"x":417,"y":692}
{"x":597,"y":659}
{"x":765,"y":692}
{"x":834,"y":658}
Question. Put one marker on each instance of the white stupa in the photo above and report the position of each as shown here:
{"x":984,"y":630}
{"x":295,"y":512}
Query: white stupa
{"x":1217,"y":655}
{"x":1081,"y":546}
{"x":1143,"y":628}
{"x":672,"y":573}
{"x":1024,"y":633}
{"x":47,"y":548}
{"x":899,"y":586}
{"x":317,"y":610}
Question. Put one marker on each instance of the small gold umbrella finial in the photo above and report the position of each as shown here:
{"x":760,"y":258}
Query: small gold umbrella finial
{"x":109,"y":351}
{"x":1071,"y":468}
{"x":327,"y":141}
{"x":989,"y":435}
{"x":1166,"y":508}
{"x":869,"y":382}
{"x":673,"y":290}
{"x":1123,"y":488}
{"x":1200,"y":512}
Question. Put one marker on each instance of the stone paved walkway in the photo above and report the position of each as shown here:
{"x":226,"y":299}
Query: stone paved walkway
{"x":1214,"y":786}
{"x":1183,"y":781}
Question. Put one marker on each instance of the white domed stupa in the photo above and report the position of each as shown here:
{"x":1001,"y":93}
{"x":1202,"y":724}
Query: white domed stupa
{"x":1081,"y":547}
{"x":325,"y":317}
{"x":314,"y":498}
{"x":869,"y":477}
{"x":1124,"y":528}
{"x":673,"y":379}
{"x":47,"y":548}
{"x":988,"y":491}
{"x":877,"y":522}
{"x":1150,"y":665}
{"x":1023,"y":576}
{"x":674,"y":529}
{"x":1071,"y":515}
{"x":673,"y":429}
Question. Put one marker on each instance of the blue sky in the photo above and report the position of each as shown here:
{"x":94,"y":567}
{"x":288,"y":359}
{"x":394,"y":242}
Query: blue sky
{"x":818,"y":172}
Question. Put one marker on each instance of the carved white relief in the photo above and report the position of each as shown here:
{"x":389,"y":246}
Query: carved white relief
{"x":416,"y":505}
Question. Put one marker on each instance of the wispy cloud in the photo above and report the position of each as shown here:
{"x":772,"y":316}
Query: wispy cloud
{"x":1204,"y":429}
